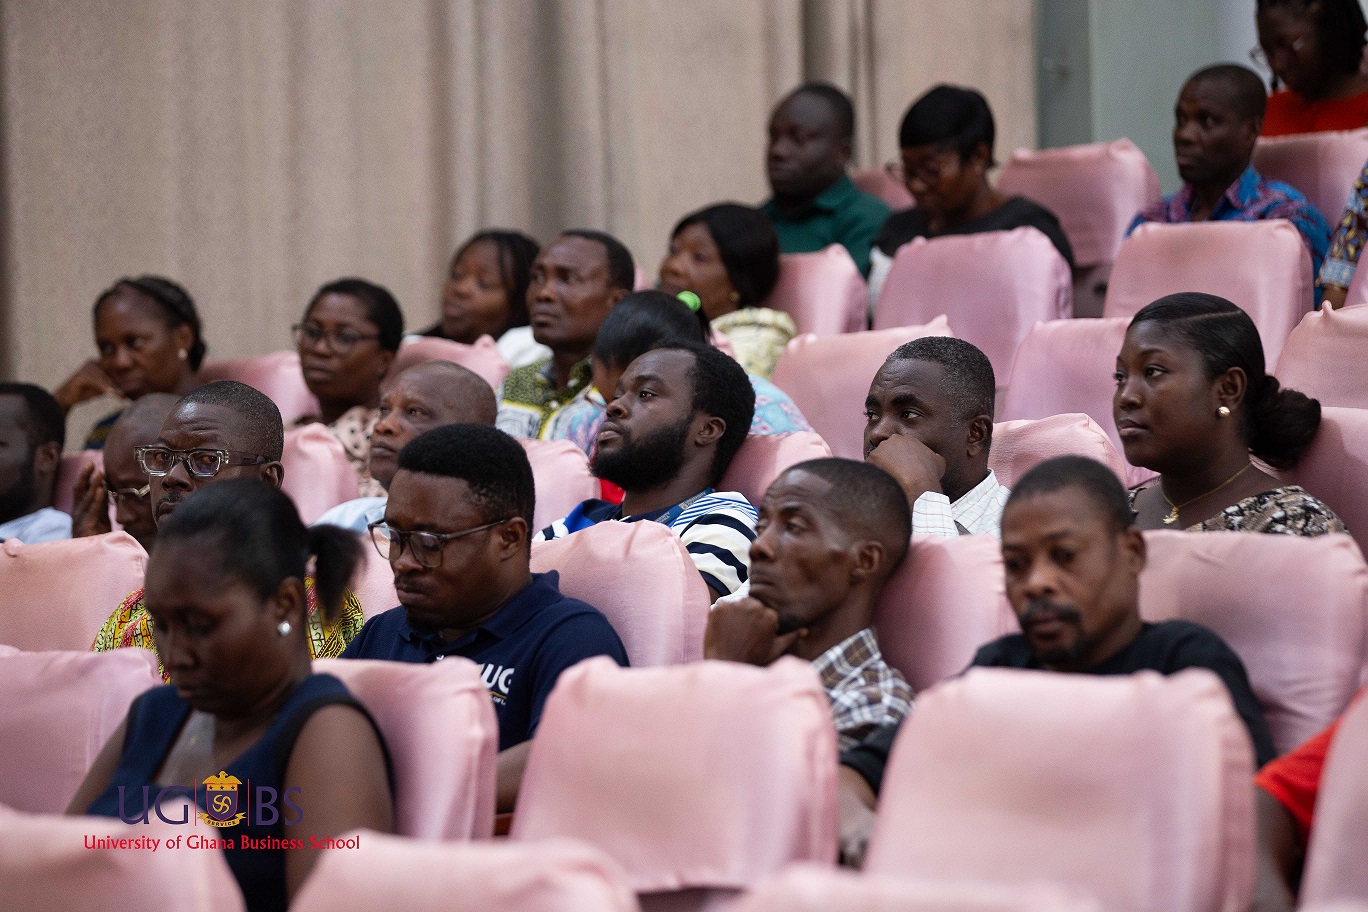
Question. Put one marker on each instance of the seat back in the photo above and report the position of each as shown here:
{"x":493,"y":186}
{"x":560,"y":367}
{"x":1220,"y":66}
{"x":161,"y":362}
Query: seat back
{"x":373,"y":581}
{"x":318,"y":475}
{"x":1095,"y":191}
{"x":1019,"y":446}
{"x":706,"y":776}
{"x":57,"y":594}
{"x":993,"y":287}
{"x":1334,"y":466}
{"x":823,"y":291}
{"x":639,"y":575}
{"x":69,"y":472}
{"x":439,"y":725}
{"x":763,"y":458}
{"x":57,"y":710}
{"x":1335,"y":869}
{"x":1262,"y":267}
{"x":1324,"y":357}
{"x":1323,"y":166}
{"x":561,"y":476}
{"x":878,"y":182}
{"x":482,"y":358}
{"x":1135,"y":788}
{"x":278,"y":375}
{"x":828,"y":378}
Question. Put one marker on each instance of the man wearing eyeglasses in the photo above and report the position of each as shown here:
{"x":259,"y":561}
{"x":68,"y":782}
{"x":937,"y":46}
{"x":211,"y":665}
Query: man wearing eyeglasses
{"x":122,"y":481}
{"x":457,"y":533}
{"x":32,"y":430}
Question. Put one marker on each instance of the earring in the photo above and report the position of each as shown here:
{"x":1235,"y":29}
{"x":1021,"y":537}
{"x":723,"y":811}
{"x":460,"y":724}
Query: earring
{"x":284,"y":628}
{"x":182,"y":354}
{"x":1223,"y":412}
{"x":734,"y":297}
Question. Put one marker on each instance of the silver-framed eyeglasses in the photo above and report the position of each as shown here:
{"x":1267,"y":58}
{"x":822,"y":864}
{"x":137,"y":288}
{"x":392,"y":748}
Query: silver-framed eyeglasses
{"x":427,"y":547}
{"x":341,"y":341}
{"x":119,"y":494}
{"x":158,"y":461}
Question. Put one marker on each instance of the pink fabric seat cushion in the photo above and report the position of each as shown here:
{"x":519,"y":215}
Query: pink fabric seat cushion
{"x":1335,"y":869}
{"x":1335,"y":468}
{"x":878,"y":182}
{"x":481,"y":358}
{"x":1019,"y":446}
{"x":709,"y":775}
{"x":439,"y":725}
{"x":560,"y":473}
{"x":639,"y":575}
{"x":1324,"y":357}
{"x":828,"y":378}
{"x":373,"y":581}
{"x":1262,"y":267}
{"x":391,"y":872}
{"x":993,"y":287}
{"x":1323,"y":166}
{"x":57,"y":710}
{"x":763,"y":458}
{"x":56,"y":595}
{"x":69,"y":473}
{"x":823,"y":291}
{"x":1135,"y":789}
{"x":278,"y":375}
{"x":318,"y":475}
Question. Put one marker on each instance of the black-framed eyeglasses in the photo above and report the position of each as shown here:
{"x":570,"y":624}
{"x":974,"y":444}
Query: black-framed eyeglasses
{"x":158,"y":461}
{"x":119,"y":494}
{"x":339,"y":340}
{"x":427,"y":547}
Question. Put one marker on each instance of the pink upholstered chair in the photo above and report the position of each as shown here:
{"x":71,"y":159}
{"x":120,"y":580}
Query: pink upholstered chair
{"x":1135,"y":789}
{"x":73,"y":464}
{"x":481,"y":358}
{"x":1335,"y":468}
{"x":373,"y":581}
{"x":762,"y":459}
{"x":828,"y":378}
{"x":318,"y":475}
{"x":560,"y":473}
{"x":57,"y":710}
{"x":810,"y":888}
{"x":46,"y":867}
{"x":944,"y":601}
{"x":1335,"y":869}
{"x":57,"y":594}
{"x":1324,"y":357}
{"x":439,"y":725}
{"x":639,"y":575}
{"x":1304,"y":663}
{"x":1323,"y":166}
{"x":391,"y":872}
{"x":878,"y":182}
{"x":699,"y":780}
{"x":1263,"y":267}
{"x":823,"y":291}
{"x":993,"y":287}
{"x":1019,"y":446}
{"x":278,"y":375}
{"x":1358,"y":289}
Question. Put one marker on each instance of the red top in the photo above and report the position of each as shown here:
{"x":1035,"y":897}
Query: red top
{"x":1294,"y":778}
{"x":1288,"y":113}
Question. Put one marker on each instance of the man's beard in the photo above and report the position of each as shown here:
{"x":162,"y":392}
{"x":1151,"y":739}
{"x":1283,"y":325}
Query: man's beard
{"x":16,"y":500}
{"x":1060,"y":655}
{"x":639,"y":465}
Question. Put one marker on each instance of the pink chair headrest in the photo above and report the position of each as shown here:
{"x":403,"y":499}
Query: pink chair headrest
{"x":1324,"y":357}
{"x":823,"y":291}
{"x":481,"y":358}
{"x":278,"y":375}
{"x":1335,"y":468}
{"x":1323,"y":166}
{"x":1019,"y":446}
{"x":1335,"y":871}
{"x":561,"y":476}
{"x":318,"y":475}
{"x":763,"y":458}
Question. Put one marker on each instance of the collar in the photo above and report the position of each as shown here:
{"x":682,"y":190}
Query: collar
{"x":512,"y":614}
{"x":1238,"y":196}
{"x":581,"y":375}
{"x":846,"y":657}
{"x":832,"y":199}
{"x":665,"y":515}
{"x":977,"y":494}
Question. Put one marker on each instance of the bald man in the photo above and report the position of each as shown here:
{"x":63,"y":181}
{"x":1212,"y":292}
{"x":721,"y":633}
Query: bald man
{"x":123,"y":480}
{"x":415,"y":400}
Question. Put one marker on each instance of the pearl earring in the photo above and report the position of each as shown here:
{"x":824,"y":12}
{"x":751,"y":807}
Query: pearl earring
{"x":1223,"y":412}
{"x":284,"y":628}
{"x":182,"y":354}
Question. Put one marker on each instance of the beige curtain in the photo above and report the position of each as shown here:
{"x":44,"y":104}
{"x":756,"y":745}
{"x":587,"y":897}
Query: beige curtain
{"x":253,"y":149}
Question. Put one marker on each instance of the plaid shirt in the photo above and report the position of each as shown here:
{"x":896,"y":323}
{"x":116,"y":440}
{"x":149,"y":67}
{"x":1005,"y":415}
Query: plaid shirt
{"x":865,"y":693}
{"x":978,"y":512}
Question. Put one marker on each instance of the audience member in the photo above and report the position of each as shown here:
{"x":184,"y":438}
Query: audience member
{"x":1216,"y":122}
{"x":1315,"y":48}
{"x":485,"y":294}
{"x":122,"y":481}
{"x":946,"y":140}
{"x":831,"y":532}
{"x":728,"y":255}
{"x":148,"y":334}
{"x":815,"y":203}
{"x":1346,"y":246}
{"x":679,"y":414}
{"x":417,"y":399}
{"x":225,"y":584}
{"x":347,"y":342}
{"x":1193,"y":403}
{"x":457,"y":533}
{"x":576,"y":280}
{"x":32,"y":432}
{"x":221,"y":431}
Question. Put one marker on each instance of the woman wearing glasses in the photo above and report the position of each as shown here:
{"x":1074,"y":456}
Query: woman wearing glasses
{"x":1315,"y":49}
{"x":347,"y":341}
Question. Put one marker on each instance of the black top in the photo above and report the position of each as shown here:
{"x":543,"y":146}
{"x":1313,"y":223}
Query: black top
{"x":1167,"y":647}
{"x":1017,"y":212}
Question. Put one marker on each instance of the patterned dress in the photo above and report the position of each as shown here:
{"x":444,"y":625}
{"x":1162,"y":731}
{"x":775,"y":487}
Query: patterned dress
{"x":1281,"y":511}
{"x":1347,"y":243}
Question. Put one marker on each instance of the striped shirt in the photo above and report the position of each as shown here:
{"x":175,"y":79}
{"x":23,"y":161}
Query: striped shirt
{"x":978,"y":512}
{"x":865,"y":692}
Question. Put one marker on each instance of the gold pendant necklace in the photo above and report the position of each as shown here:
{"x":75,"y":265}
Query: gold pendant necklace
{"x":1173,"y":510}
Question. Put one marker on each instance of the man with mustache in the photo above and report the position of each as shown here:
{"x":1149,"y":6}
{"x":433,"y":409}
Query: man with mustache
{"x":32,"y":431}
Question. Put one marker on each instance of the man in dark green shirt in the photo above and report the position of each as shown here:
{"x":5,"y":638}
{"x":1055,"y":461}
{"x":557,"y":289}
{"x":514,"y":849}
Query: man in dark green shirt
{"x":815,"y":203}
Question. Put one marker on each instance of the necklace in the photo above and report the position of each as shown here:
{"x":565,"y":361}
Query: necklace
{"x":1173,"y":509}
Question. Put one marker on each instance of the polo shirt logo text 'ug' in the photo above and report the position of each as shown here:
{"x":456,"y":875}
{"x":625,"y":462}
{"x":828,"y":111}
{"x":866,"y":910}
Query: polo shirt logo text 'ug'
{"x":498,"y":679}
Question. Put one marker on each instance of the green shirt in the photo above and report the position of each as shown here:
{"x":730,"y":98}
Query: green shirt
{"x":840,"y":214}
{"x":529,"y":402}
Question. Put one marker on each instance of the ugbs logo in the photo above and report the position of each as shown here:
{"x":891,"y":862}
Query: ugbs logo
{"x":221,"y":800}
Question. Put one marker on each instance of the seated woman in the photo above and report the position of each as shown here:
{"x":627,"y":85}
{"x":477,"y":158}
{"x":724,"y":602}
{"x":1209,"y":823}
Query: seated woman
{"x":148,"y":334}
{"x":225,"y":588}
{"x":1193,"y":403}
{"x":485,"y":294}
{"x":728,"y":255}
{"x":1346,"y":246}
{"x":347,"y":342}
{"x":1315,"y":48}
{"x":946,"y":139}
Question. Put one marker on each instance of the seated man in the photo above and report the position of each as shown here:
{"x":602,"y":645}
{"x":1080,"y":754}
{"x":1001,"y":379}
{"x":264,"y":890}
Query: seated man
{"x":576,"y":280}
{"x":1218,"y":116}
{"x":222,"y":430}
{"x":815,"y":203}
{"x":678,"y":416}
{"x":123,"y":481}
{"x":32,"y":432}
{"x":427,"y":395}
{"x":831,"y":532}
{"x":456,"y":531}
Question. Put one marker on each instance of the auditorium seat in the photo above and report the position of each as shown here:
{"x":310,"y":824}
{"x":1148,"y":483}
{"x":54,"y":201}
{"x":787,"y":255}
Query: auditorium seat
{"x":828,"y":378}
{"x":57,"y":710}
{"x":1323,"y":166}
{"x":878,"y":182}
{"x":823,"y":292}
{"x":763,"y":458}
{"x":993,"y":287}
{"x":1262,"y":267}
{"x":318,"y":475}
{"x":439,"y":725}
{"x":373,"y":581}
{"x":278,"y":375}
{"x":69,"y":473}
{"x":1019,"y":446}
{"x":699,"y":780}
{"x":639,"y":575}
{"x":560,"y":473}
{"x":1335,"y":865}
{"x":1335,"y":468}
{"x":1324,"y":357}
{"x":1133,"y":788}
{"x":481,"y":358}
{"x":56,"y":595}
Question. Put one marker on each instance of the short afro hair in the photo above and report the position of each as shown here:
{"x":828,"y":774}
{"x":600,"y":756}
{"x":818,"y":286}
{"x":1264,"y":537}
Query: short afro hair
{"x":1246,"y":88}
{"x":43,"y":421}
{"x":621,"y":266}
{"x":868,"y":500}
{"x":261,"y":429}
{"x":382,"y":310}
{"x":748,"y":245}
{"x":721,"y":389}
{"x":969,"y":378}
{"x":949,"y":116}
{"x":1088,"y":475}
{"x":841,"y":107}
{"x":490,"y":462}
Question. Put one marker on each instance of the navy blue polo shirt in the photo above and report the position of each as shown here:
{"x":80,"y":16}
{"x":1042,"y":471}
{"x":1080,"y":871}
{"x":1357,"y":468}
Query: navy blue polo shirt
{"x":521,"y":649}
